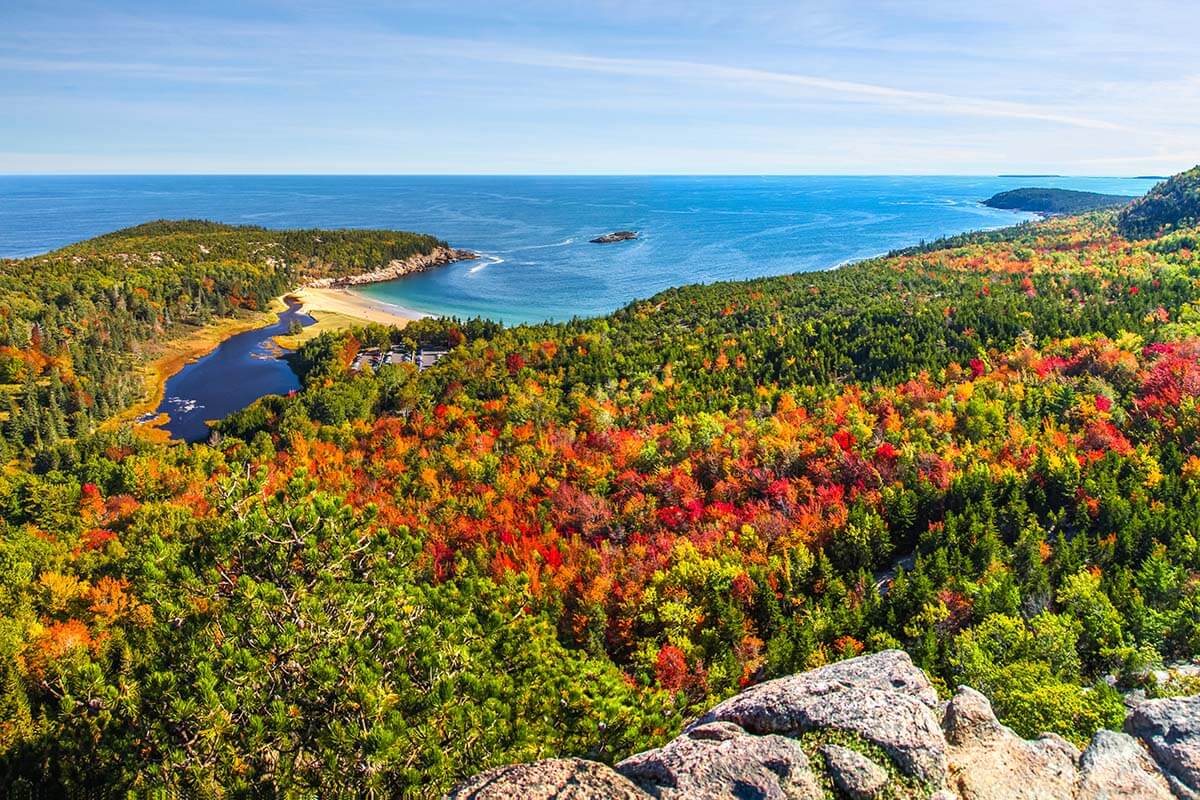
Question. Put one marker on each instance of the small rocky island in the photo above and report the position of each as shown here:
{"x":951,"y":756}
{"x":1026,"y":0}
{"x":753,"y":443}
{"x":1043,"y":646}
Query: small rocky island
{"x":616,"y":236}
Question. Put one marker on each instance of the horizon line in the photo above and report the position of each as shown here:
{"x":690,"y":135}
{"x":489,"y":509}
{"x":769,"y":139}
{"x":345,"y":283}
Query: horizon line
{"x":574,"y":175}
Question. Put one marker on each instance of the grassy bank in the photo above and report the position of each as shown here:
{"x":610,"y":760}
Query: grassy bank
{"x":164,"y":360}
{"x":325,"y":321}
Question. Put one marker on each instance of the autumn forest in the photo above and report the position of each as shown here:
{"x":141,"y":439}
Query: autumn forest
{"x":569,"y":539}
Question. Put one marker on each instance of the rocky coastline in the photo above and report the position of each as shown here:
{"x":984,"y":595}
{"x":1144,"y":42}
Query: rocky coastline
{"x":871,"y":728}
{"x":396,"y":268}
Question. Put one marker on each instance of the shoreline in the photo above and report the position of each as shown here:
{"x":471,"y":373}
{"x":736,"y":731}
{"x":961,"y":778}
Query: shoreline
{"x":329,"y":301}
{"x":340,"y":308}
{"x":344,"y":301}
{"x":333,"y":304}
{"x":397,"y":268}
{"x":178,"y":353}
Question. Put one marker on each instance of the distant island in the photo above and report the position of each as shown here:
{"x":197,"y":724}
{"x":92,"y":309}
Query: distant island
{"x":616,"y":236}
{"x":1054,"y":201}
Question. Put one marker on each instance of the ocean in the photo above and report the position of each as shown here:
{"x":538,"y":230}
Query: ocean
{"x":533,"y":232}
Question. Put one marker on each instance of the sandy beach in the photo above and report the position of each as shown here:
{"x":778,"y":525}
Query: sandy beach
{"x":348,"y":304}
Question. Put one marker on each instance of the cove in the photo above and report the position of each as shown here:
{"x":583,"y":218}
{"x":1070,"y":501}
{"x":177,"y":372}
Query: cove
{"x":240,"y":370}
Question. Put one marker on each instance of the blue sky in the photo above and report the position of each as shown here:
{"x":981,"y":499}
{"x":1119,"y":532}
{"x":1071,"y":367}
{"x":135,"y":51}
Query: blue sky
{"x":659,"y":86}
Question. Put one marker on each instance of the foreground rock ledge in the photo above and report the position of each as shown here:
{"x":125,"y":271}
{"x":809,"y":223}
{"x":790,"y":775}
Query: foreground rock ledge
{"x":747,"y":746}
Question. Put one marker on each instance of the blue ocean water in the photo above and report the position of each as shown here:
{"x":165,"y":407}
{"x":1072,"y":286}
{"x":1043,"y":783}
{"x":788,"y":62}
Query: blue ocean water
{"x":534,"y":231}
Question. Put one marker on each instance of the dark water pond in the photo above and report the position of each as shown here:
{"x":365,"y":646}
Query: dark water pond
{"x":242,"y":369}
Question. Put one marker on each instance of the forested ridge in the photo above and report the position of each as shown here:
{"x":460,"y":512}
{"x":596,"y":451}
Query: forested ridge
{"x":568,"y":539}
{"x":1173,"y":204}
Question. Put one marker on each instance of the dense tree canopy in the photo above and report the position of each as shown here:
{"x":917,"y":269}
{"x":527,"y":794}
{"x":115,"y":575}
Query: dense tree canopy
{"x":567,"y":539}
{"x":1172,"y":205}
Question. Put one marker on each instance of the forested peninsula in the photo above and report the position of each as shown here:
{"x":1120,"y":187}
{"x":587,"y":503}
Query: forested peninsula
{"x":1055,"y":201}
{"x":575,"y":539}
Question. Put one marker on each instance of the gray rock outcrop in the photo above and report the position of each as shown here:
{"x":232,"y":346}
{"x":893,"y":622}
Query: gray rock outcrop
{"x":1116,"y":767}
{"x":397,"y":268}
{"x":754,"y":745}
{"x":720,"y":761}
{"x":882,"y":698}
{"x":987,"y":761}
{"x":1170,"y":727}
{"x":855,"y":774}
{"x":551,"y":779}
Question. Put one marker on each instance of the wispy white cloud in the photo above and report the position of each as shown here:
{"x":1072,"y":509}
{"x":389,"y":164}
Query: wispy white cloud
{"x":751,"y":78}
{"x":355,"y":53}
{"x":143,"y":70}
{"x":1177,"y":157}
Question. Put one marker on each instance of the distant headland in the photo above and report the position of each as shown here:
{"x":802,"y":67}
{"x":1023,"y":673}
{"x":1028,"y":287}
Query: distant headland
{"x":1054,"y":201}
{"x":396,"y":268}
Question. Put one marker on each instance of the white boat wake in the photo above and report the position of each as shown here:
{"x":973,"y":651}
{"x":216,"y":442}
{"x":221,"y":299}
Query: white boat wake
{"x":489,"y":262}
